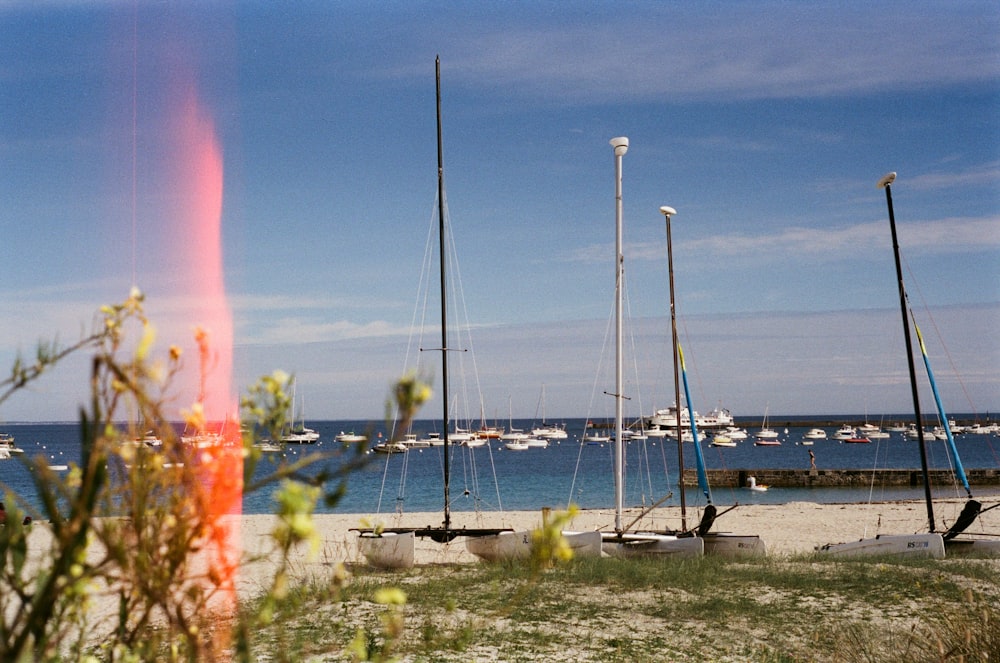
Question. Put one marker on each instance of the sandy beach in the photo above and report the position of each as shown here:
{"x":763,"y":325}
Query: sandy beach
{"x":787,"y":529}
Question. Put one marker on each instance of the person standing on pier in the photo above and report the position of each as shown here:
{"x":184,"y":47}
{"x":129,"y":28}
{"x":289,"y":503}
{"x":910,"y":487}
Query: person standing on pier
{"x":812,"y":460}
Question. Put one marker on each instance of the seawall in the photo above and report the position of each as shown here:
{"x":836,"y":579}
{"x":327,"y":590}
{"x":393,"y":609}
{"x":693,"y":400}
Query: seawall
{"x":839,"y":478}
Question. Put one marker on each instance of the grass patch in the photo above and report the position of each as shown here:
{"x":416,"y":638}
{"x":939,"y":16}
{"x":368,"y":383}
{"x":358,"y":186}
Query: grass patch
{"x":795,"y":609}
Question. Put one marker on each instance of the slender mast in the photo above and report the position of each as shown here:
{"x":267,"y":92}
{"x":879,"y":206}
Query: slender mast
{"x":621,"y":147}
{"x":444,"y":298}
{"x":667,"y":213}
{"x":886,"y":183}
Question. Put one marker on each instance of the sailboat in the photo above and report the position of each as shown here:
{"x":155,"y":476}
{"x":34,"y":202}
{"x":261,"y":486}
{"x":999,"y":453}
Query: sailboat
{"x":931,"y":543}
{"x":299,"y":433}
{"x":953,"y":545}
{"x":715,"y":543}
{"x":393,"y":547}
{"x":766,"y":437}
{"x":621,"y":542}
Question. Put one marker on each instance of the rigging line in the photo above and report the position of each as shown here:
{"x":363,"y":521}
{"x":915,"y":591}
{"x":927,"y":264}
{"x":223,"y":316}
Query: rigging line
{"x":593,"y":395}
{"x":423,"y":281}
{"x":635,"y":371}
{"x":871,"y":491}
{"x":697,"y":373}
{"x":458,"y":295}
{"x":463,"y":331}
{"x":135,"y":112}
{"x":381,"y":491}
{"x":496,"y":483}
{"x":940,"y":337}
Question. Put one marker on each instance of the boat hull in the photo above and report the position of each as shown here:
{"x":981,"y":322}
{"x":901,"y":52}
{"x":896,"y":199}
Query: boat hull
{"x":389,"y":550}
{"x":917,"y":545}
{"x":960,"y":547}
{"x":724,"y":544}
{"x":651,"y":545}
{"x":506,"y":546}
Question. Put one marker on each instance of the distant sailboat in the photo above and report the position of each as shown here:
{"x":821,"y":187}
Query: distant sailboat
{"x":766,"y":437}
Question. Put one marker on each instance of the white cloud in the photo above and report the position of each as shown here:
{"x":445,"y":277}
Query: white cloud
{"x":952,"y":235}
{"x":749,"y":51}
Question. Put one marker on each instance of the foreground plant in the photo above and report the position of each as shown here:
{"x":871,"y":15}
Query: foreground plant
{"x":143,"y":522}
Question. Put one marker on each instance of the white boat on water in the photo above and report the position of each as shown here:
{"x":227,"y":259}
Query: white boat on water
{"x":411,"y":441}
{"x":766,"y":436}
{"x":845,"y":432}
{"x":460,"y":436}
{"x":350,"y":438}
{"x":389,"y":448}
{"x":667,"y":418}
{"x":8,"y":447}
{"x":815,"y":434}
{"x":299,"y":433}
{"x":723,"y":440}
{"x":550,"y":432}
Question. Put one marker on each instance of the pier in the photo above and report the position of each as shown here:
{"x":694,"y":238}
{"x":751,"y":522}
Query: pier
{"x":838,"y":478}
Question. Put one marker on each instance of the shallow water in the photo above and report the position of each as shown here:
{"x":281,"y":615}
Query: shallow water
{"x":491,"y":478}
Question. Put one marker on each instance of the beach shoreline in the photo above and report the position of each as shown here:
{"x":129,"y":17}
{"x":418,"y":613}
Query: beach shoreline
{"x":789,"y":529}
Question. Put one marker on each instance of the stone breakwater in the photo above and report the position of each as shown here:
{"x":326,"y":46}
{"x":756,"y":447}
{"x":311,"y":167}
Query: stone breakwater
{"x":838,"y":478}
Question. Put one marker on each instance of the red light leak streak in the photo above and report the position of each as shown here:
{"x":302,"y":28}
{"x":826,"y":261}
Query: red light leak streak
{"x":199,"y":178}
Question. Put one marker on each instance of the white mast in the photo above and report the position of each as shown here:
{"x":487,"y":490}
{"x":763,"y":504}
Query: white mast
{"x":621,"y":147}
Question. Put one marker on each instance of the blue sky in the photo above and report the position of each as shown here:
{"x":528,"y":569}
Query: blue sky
{"x":765,"y":124}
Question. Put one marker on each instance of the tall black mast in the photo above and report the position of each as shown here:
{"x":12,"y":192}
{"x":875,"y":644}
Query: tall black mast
{"x":886,"y":183}
{"x":444,"y":299}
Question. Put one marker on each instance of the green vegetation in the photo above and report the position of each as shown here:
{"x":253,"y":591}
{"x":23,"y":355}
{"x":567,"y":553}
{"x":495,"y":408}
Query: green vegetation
{"x":140,"y":525}
{"x":800,"y":609}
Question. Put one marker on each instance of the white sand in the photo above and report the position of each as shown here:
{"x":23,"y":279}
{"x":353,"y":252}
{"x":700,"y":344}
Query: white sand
{"x":787,"y":529}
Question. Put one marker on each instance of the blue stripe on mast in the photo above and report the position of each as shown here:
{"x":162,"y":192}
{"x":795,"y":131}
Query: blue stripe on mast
{"x":940,"y":408}
{"x":699,"y":458}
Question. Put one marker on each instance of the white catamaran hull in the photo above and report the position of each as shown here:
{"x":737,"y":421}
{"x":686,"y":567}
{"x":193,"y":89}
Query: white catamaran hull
{"x":517,"y":545}
{"x":389,"y":550}
{"x":918,"y":545}
{"x":724,"y":544}
{"x":651,"y":545}
{"x":972,"y":547}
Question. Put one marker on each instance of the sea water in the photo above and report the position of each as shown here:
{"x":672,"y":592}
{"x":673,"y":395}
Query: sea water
{"x":492,"y":478}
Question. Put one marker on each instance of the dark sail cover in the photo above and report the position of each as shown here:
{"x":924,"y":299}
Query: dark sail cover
{"x":968,"y":516}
